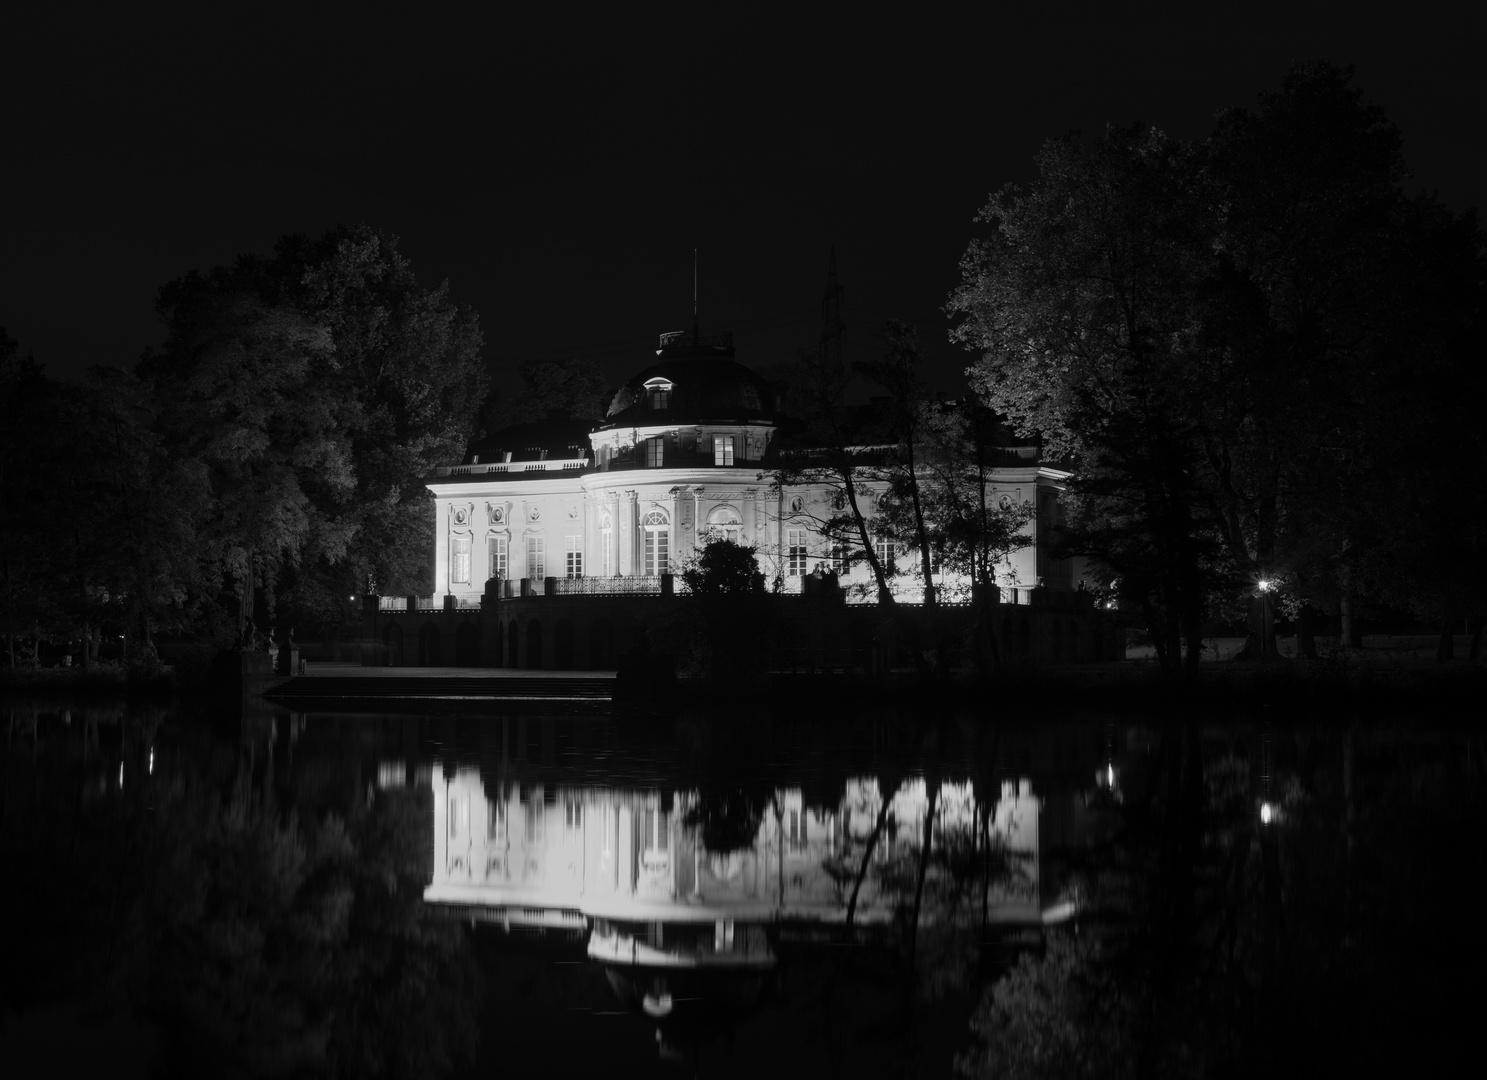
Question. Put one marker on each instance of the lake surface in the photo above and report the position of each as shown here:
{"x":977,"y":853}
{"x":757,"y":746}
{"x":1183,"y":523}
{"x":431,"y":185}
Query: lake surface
{"x":723,"y":891}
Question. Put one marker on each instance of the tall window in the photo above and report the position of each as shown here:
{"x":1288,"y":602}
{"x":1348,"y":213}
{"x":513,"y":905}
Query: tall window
{"x":885,"y":549}
{"x":573,"y":561}
{"x":722,"y":449}
{"x":459,"y":560}
{"x":606,"y":544}
{"x":655,"y":452}
{"x":657,"y":543}
{"x":795,"y":556}
{"x":724,"y":523}
{"x":500,"y":557}
{"x":536,"y":557}
{"x":839,"y":559}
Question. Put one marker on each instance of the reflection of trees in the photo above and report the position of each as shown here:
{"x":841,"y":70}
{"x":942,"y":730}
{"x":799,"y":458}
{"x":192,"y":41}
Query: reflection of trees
{"x":728,"y":816}
{"x":254,"y":943}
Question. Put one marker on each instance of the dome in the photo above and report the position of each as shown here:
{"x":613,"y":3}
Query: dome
{"x":695,"y":381}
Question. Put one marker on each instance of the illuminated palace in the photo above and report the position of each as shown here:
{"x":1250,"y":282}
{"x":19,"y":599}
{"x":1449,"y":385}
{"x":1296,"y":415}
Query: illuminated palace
{"x":545,"y":520}
{"x":677,"y":460}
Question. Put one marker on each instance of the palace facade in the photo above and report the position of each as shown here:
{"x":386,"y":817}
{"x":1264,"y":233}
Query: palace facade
{"x":683,"y":455}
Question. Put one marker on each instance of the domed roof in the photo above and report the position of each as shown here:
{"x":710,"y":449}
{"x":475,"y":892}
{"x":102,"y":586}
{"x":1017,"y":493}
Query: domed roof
{"x":695,"y":380}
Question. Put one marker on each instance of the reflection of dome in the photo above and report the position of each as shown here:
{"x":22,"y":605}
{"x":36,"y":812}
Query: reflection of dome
{"x":702,"y":382}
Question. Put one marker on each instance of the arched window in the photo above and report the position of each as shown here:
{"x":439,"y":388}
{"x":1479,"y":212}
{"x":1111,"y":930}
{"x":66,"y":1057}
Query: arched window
{"x":725,"y":524}
{"x":657,"y":528}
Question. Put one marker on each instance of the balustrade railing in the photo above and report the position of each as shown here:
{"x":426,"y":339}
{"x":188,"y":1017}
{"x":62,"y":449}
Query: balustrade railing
{"x":607,"y":586}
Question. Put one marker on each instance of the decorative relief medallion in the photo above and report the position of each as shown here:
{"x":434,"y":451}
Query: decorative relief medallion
{"x":498,"y":515}
{"x":1005,"y":502}
{"x":534,"y":514}
{"x":573,"y":511}
{"x":797,"y":504}
{"x":461,"y":516}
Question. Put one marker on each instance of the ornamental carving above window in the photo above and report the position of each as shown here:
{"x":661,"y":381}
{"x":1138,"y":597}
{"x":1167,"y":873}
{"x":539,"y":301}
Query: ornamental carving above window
{"x":655,"y":517}
{"x":1005,"y":502}
{"x":461,"y":516}
{"x":797,"y":504}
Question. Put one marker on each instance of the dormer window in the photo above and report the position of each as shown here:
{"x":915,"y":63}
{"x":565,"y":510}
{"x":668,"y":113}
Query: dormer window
{"x":658,"y":391}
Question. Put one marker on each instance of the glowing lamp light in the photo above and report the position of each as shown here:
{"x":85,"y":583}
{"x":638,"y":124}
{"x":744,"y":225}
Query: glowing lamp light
{"x":1267,"y":813}
{"x":1265,"y":584}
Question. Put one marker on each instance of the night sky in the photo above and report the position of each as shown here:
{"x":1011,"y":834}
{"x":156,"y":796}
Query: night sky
{"x":560,"y":174}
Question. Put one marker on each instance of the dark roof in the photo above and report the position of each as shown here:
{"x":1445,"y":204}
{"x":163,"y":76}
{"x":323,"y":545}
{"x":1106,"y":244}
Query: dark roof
{"x":546,"y":439}
{"x":703,"y":388}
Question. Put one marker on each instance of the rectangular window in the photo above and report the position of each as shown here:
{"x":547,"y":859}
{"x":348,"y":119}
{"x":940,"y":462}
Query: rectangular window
{"x":459,"y":560}
{"x":660,"y":397}
{"x":795,"y":552}
{"x":657,"y":551}
{"x":499,"y":557}
{"x":655,"y":452}
{"x":536,"y":557}
{"x":722,"y":449}
{"x":839,"y":561}
{"x":606,"y":551}
{"x":573,"y":562}
{"x":885,"y":549}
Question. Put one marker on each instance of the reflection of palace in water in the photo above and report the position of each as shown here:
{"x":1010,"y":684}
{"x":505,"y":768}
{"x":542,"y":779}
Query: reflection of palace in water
{"x":625,"y":863}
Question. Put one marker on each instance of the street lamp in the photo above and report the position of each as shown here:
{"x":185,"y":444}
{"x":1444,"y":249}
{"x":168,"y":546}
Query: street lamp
{"x":1266,"y":586}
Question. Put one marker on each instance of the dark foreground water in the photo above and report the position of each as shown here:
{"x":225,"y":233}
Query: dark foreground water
{"x":753,"y":889}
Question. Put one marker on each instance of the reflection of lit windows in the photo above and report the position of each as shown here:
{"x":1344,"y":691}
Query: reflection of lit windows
{"x":795,"y":554}
{"x":534,"y":821}
{"x":795,"y":820}
{"x":496,"y":819}
{"x":573,"y":815}
{"x":459,"y":816}
{"x":655,"y":452}
{"x":655,"y":836}
{"x":499,"y":557}
{"x":459,"y":560}
{"x":722,"y":449}
{"x":723,"y":935}
{"x":573,"y":560}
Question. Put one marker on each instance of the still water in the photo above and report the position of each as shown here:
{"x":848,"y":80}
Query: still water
{"x":716,"y":892}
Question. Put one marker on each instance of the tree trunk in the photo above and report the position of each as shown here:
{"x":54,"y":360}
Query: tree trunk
{"x":932,"y":784}
{"x":1306,"y":633}
{"x":1352,"y":628}
{"x":872,"y":844}
{"x":1445,"y":649}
